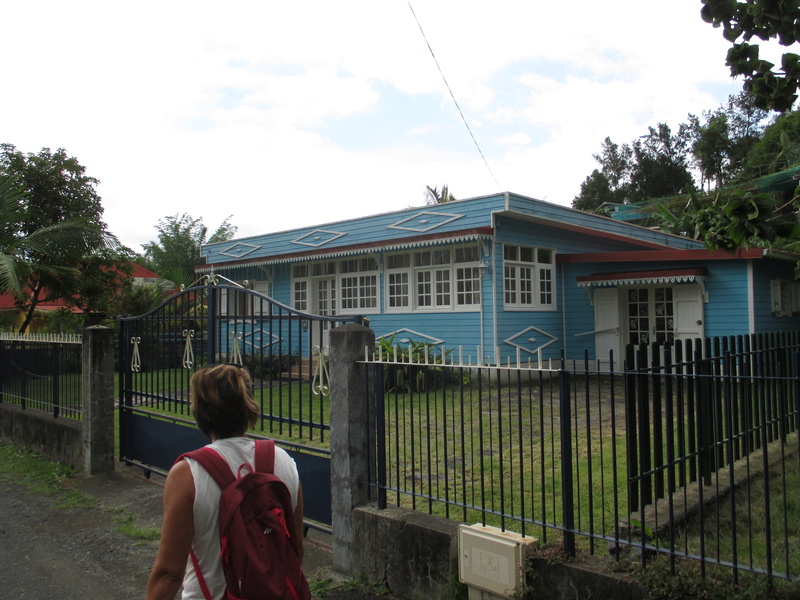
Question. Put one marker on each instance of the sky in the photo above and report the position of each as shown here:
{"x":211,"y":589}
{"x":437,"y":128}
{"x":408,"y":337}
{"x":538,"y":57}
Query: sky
{"x":291,"y":114}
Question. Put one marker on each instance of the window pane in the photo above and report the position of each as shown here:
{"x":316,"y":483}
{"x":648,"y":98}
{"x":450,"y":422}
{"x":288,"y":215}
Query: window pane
{"x":442,"y":287}
{"x":468,"y":254}
{"x":511,"y":252}
{"x":544,"y":257}
{"x":348,"y":266}
{"x":300,"y":271}
{"x":398,"y":261}
{"x":441,"y":257}
{"x":510,"y":284}
{"x":545,"y":287}
{"x":424,"y":288}
{"x":368,"y":291}
{"x":468,"y":286}
{"x":349,"y":292}
{"x":526,"y":254}
{"x":301,"y":295}
{"x":398,"y":290}
{"x":422,"y":259}
{"x":525,"y":285}
{"x":368,"y":264}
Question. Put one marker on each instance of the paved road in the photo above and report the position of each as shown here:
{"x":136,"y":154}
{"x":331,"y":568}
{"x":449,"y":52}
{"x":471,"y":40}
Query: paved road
{"x":51,"y":553}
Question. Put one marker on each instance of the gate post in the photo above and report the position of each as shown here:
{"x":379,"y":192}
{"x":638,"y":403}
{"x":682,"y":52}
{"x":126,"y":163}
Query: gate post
{"x":352,"y":459}
{"x":98,"y":400}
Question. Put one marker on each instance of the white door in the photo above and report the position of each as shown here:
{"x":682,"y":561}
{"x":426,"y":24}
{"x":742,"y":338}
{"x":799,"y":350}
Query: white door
{"x":606,"y":326}
{"x":323,"y":300}
{"x":689,"y":312}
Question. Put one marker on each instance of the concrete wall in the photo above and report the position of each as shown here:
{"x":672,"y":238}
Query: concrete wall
{"x":57,"y":439}
{"x":414,"y":553}
{"x":88,"y":444}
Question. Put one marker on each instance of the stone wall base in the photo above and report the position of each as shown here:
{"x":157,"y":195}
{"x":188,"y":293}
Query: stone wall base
{"x":57,"y":439}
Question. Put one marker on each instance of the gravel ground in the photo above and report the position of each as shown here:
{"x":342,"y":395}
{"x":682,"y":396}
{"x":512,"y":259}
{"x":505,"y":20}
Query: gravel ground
{"x":51,"y":552}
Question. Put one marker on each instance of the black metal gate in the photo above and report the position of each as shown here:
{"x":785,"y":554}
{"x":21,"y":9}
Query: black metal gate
{"x":285,"y":351}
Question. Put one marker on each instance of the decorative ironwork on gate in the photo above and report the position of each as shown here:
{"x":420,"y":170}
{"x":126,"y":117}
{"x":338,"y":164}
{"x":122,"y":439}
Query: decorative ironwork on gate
{"x":219,"y":321}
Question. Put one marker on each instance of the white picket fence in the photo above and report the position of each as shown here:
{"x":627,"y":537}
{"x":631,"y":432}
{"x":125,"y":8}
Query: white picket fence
{"x":52,"y":338}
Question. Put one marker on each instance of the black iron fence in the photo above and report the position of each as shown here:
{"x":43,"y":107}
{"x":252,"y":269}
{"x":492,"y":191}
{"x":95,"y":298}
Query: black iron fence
{"x":689,"y":451}
{"x":42,"y":372}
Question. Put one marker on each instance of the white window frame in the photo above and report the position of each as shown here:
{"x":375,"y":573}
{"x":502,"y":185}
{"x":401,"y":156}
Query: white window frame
{"x":427,"y":280}
{"x":529,"y":283}
{"x":785,"y":297}
{"x":357,"y":283}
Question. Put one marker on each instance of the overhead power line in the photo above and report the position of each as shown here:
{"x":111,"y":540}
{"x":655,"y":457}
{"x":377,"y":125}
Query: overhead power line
{"x":447,"y":85}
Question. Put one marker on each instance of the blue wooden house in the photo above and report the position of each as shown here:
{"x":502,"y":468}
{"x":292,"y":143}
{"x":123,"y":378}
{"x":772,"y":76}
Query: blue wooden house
{"x":507,"y":277}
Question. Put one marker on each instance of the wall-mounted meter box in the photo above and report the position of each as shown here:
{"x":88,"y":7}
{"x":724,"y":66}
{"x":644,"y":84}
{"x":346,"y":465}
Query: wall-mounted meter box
{"x":491,"y":559}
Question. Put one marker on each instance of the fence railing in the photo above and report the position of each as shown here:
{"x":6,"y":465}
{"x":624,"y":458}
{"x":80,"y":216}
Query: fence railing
{"x":42,"y":372}
{"x":662,"y":458}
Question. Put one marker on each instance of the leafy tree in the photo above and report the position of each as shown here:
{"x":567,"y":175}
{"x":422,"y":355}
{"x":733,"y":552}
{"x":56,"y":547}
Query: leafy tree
{"x":595,"y":191}
{"x":777,"y":148}
{"x":617,"y":166}
{"x":434,"y":196}
{"x":611,"y":183}
{"x":660,"y":164}
{"x":765,"y":20}
{"x":179,"y":247}
{"x":54,"y":244}
{"x":711,"y":145}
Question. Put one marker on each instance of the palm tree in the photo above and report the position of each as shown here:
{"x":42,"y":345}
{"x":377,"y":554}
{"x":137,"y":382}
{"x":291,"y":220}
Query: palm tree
{"x":433,"y":196}
{"x":41,"y":261}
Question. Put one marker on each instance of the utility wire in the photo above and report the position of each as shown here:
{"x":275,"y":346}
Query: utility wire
{"x":447,"y":85}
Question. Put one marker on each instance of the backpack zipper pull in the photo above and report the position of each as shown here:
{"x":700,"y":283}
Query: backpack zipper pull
{"x":282,"y":521}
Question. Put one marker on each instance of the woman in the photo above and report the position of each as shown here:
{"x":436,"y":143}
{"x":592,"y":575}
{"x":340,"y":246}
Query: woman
{"x":224,"y":407}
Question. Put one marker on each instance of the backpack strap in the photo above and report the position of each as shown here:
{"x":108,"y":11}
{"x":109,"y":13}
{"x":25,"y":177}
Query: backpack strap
{"x":214,"y":464}
{"x":265,"y":456}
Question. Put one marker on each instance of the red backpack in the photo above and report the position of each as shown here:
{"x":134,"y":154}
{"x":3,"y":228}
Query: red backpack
{"x":259,"y":546}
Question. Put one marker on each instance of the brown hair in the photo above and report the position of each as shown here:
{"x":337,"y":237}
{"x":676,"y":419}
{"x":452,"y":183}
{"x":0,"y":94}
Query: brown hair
{"x":222,"y":400}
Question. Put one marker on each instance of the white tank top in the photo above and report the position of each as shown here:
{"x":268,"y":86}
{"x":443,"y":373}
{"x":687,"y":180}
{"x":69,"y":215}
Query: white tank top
{"x":236,"y":451}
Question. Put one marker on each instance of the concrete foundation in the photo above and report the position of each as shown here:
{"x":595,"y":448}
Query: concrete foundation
{"x":414,"y":553}
{"x":57,"y":439}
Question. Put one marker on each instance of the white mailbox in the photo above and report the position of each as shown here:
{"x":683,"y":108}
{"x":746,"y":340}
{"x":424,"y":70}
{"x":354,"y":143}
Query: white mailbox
{"x":492,"y":560}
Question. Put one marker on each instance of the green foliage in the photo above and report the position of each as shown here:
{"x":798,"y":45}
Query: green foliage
{"x":434,"y":196}
{"x":179,"y":247}
{"x":743,"y":220}
{"x":687,"y":581}
{"x":413,"y":366}
{"x":53,"y":243}
{"x":767,"y":20}
{"x":127,"y":526}
{"x":138,"y":300}
{"x":776,"y":149}
{"x":29,"y":469}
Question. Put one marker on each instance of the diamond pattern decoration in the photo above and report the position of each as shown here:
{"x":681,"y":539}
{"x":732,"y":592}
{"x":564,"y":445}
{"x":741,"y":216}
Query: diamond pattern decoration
{"x":239,"y":250}
{"x":424,"y":221}
{"x":532,"y":344}
{"x":262,"y":336}
{"x":406,"y":336}
{"x":318,"y":237}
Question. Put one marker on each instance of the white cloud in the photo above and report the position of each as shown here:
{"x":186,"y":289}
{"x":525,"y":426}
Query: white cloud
{"x":243,"y":108}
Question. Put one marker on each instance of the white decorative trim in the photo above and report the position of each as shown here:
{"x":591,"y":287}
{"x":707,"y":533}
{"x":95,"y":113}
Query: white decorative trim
{"x":395,"y":245}
{"x":421,"y":337}
{"x":245,"y":250}
{"x":424,"y":225}
{"x":644,"y":281}
{"x":320,"y":240}
{"x":510,"y":341}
